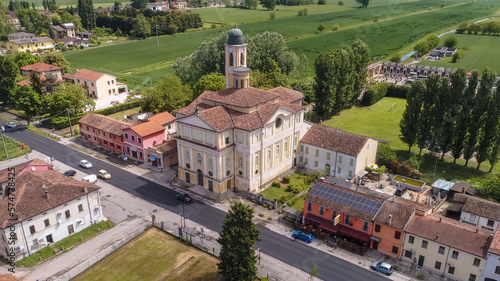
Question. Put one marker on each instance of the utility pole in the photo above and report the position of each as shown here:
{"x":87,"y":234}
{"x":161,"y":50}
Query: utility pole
{"x":4,"y":147}
{"x":157,"y":40}
{"x":69,"y":120}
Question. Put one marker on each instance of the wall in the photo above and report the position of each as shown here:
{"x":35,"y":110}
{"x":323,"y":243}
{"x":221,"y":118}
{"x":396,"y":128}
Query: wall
{"x":478,"y":221}
{"x":388,"y":240}
{"x":492,"y":262}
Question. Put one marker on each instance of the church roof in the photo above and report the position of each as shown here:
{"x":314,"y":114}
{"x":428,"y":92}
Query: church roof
{"x":246,"y":97}
{"x":235,"y":36}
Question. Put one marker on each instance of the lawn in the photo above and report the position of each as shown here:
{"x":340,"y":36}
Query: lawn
{"x":14,"y":149}
{"x":387,"y":27}
{"x":273,"y":192}
{"x":482,"y":51}
{"x":121,"y":115}
{"x":152,"y":256}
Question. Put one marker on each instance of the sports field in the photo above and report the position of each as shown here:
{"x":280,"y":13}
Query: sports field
{"x":153,"y":256}
{"x":482,"y":51}
{"x":387,"y":27}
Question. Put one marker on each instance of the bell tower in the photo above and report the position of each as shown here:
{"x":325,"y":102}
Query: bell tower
{"x":237,"y":74}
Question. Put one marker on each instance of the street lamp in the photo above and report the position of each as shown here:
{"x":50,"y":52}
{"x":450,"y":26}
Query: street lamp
{"x":259,"y":255}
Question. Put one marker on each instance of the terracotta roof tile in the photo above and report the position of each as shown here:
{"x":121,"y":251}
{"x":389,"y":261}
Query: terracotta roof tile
{"x":247,"y":97}
{"x":482,"y":207}
{"x":334,"y":139}
{"x":147,"y":128}
{"x":217,"y":117}
{"x":104,"y":123}
{"x":68,"y":76}
{"x":188,"y":110}
{"x":162,"y":118}
{"x":401,"y":211}
{"x":25,"y":82}
{"x":89,"y":75}
{"x":40,"y":67}
{"x":167,"y":148}
{"x":287,"y":95}
{"x":495,"y":244}
{"x":4,"y":174}
{"x":245,"y":121}
{"x":30,"y":199}
{"x":450,"y":232}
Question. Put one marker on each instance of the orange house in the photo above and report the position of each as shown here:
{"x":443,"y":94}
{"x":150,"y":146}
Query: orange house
{"x":390,"y":224}
{"x":103,"y":131}
{"x":342,"y":212}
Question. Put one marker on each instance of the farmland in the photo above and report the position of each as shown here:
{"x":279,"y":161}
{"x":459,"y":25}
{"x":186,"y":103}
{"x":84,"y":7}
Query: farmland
{"x":387,"y":27}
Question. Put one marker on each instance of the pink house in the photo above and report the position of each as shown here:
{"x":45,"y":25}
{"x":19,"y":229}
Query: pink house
{"x":139,"y":137}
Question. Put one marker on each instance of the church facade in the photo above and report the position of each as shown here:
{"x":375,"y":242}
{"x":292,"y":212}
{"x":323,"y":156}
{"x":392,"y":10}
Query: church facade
{"x":239,"y":138}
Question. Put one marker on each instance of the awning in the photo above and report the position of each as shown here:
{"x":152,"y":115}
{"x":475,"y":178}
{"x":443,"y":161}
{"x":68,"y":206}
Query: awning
{"x":152,"y":158}
{"x":375,"y":238}
{"x":328,"y":225}
{"x":347,"y":231}
{"x":314,"y":218}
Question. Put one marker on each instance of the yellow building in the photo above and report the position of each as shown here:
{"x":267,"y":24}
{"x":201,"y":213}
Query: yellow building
{"x":240,"y":137}
{"x":26,"y":42}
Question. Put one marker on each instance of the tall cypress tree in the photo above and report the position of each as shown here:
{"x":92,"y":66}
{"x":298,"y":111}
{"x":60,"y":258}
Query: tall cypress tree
{"x":86,"y":13}
{"x":361,"y":59}
{"x":425,"y":133}
{"x":494,"y":153}
{"x":460,"y":114}
{"x":469,"y":108}
{"x":445,"y":123}
{"x":489,"y":117}
{"x":411,"y":116}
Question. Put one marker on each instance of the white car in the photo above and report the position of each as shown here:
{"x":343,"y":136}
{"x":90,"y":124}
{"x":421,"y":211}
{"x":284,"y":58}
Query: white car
{"x":90,"y":178}
{"x":11,"y":125}
{"x":86,"y":164}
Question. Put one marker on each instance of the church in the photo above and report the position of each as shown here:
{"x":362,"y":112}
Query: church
{"x":240,"y":138}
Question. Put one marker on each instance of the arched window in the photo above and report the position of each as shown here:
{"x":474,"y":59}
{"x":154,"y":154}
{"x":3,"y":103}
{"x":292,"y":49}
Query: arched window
{"x":231,"y":59}
{"x":242,"y":58}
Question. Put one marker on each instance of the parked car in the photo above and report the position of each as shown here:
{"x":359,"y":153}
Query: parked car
{"x":90,"y":178}
{"x":303,"y":236}
{"x":11,"y":125}
{"x":383,"y":267}
{"x":104,"y":174}
{"x":70,"y":173}
{"x":86,"y":164}
{"x":184,"y":198}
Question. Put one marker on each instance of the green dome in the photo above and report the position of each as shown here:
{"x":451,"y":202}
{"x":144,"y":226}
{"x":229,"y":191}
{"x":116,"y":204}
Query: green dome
{"x":235,"y":36}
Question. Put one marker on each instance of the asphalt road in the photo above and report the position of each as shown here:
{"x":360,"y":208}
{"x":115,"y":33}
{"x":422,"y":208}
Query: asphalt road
{"x":295,"y":253}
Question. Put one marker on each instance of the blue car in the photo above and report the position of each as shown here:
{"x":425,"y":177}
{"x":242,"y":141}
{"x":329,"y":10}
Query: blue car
{"x":303,"y":236}
{"x":383,"y":267}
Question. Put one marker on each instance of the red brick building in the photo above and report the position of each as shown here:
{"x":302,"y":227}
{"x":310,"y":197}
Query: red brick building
{"x":104,"y":131}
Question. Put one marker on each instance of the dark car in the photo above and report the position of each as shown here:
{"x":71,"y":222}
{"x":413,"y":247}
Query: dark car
{"x":70,"y":173}
{"x":184,"y":198}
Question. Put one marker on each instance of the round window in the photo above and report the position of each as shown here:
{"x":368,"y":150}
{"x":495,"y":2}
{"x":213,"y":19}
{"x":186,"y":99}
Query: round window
{"x":228,"y":172}
{"x":188,"y":166}
{"x":210,"y":173}
{"x":278,"y":122}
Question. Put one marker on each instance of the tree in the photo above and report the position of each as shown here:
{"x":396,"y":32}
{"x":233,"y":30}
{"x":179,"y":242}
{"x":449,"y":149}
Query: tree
{"x":28,"y":100}
{"x":141,"y":26}
{"x":395,"y":58}
{"x":340,"y":3}
{"x":168,"y":95}
{"x":269,"y":77}
{"x":460,"y":113}
{"x":421,"y":49}
{"x":8,"y":73}
{"x":86,"y":12}
{"x":363,"y":3}
{"x":409,"y":124}
{"x":432,"y":41}
{"x":68,"y":96}
{"x":385,"y":154}
{"x":489,"y":190}
{"x":321,"y":27}
{"x":117,"y":6}
{"x":450,"y":42}
{"x":474,"y":107}
{"x":57,"y":59}
{"x":139,"y":4}
{"x":6,"y":26}
{"x":313,"y":272}
{"x":489,"y":117}
{"x":360,"y":60}
{"x":211,"y":82}
{"x":425,"y":130}
{"x":269,"y":4}
{"x":24,"y":59}
{"x":237,"y":237}
{"x":36,"y":83}
{"x":444,"y":123}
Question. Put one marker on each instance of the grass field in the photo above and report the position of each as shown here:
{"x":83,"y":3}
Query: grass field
{"x":388,"y":27}
{"x":482,"y":52}
{"x":14,"y":149}
{"x":152,"y":256}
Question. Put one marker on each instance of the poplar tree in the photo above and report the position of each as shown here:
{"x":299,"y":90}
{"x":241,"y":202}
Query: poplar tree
{"x":425,"y":132}
{"x":487,"y":115}
{"x":411,"y":116}
{"x":494,"y":154}
{"x":470,"y":109}
{"x":445,"y":122}
{"x":460,"y":113}
{"x":86,"y":12}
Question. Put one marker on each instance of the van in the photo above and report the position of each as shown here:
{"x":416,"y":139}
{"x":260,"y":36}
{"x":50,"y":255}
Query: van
{"x":90,"y":178}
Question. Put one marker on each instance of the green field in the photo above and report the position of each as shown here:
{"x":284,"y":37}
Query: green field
{"x":482,"y":52}
{"x":399,"y":24}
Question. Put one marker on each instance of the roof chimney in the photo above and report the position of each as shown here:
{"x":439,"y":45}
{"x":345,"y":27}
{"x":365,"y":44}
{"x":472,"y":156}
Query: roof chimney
{"x":390,"y":220}
{"x":477,"y":230}
{"x":197,"y":110}
{"x":440,"y":219}
{"x":46,"y":191}
{"x":19,"y":216}
{"x":85,"y":189}
{"x":437,"y":236}
{"x":463,"y":190}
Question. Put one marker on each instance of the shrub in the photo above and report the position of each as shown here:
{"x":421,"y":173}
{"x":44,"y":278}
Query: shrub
{"x":271,"y":207}
{"x":255,"y":201}
{"x":420,"y":277}
{"x":413,"y":162}
{"x":276,"y":184}
{"x":321,"y":2}
{"x":385,"y":155}
{"x":286,"y":179}
{"x":270,"y":218}
{"x":395,"y":58}
{"x":302,"y":12}
{"x":272,"y":15}
{"x":282,"y":198}
{"x":395,"y":165}
{"x":397,"y":91}
{"x":264,"y":205}
{"x":280,"y":212}
{"x":261,"y":214}
{"x":341,"y":3}
{"x":374,"y":94}
{"x":450,"y":42}
{"x":379,"y":170}
{"x":335,"y":27}
{"x":292,"y":201}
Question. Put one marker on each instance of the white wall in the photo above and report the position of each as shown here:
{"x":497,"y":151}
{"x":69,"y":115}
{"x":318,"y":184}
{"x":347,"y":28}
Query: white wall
{"x":492,"y":262}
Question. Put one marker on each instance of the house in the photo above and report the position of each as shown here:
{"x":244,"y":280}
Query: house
{"x":491,"y":271}
{"x":69,"y":78}
{"x":138,"y":138}
{"x":163,"y":155}
{"x":343,"y":212}
{"x":64,"y":30}
{"x":167,"y":120}
{"x":453,"y":249}
{"x":85,"y":36}
{"x":13,"y":19}
{"x":179,"y":5}
{"x":480,"y":212}
{"x":104,"y":131}
{"x":41,"y":68}
{"x":158,"y":6}
{"x":390,"y":223}
{"x":19,"y":169}
{"x":28,"y":43}
{"x":340,"y":154}
{"x":68,"y":41}
{"x":98,"y":84}
{"x":240,"y":137}
{"x":48,"y":207}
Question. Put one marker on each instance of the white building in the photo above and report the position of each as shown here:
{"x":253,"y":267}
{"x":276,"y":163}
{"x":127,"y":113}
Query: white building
{"x":45,"y":207}
{"x":491,"y":271}
{"x":480,"y":212}
{"x":336,"y":152}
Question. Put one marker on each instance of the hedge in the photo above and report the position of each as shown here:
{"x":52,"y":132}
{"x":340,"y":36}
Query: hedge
{"x":59,"y":123}
{"x":374,"y":94}
{"x":397,"y":91}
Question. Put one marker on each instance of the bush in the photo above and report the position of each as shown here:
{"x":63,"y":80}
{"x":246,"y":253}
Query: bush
{"x":379,"y":170}
{"x":385,"y":155}
{"x":276,"y":184}
{"x":374,"y":94}
{"x":302,"y":12}
{"x":272,"y":15}
{"x":335,"y":27}
{"x":271,"y":207}
{"x":270,"y":218}
{"x":261,"y":214}
{"x":286,"y":179}
{"x":292,"y":201}
{"x":321,"y":2}
{"x":397,"y":91}
{"x":341,"y":3}
{"x":450,"y":42}
{"x":395,"y":165}
{"x":282,"y":198}
{"x":420,"y":277}
{"x":413,"y":162}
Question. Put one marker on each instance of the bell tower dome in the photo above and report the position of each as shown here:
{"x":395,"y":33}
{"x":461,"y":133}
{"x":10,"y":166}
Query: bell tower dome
{"x":236,"y":57}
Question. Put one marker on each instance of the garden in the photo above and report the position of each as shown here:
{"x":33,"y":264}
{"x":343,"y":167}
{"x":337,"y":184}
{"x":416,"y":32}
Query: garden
{"x":289,"y":190}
